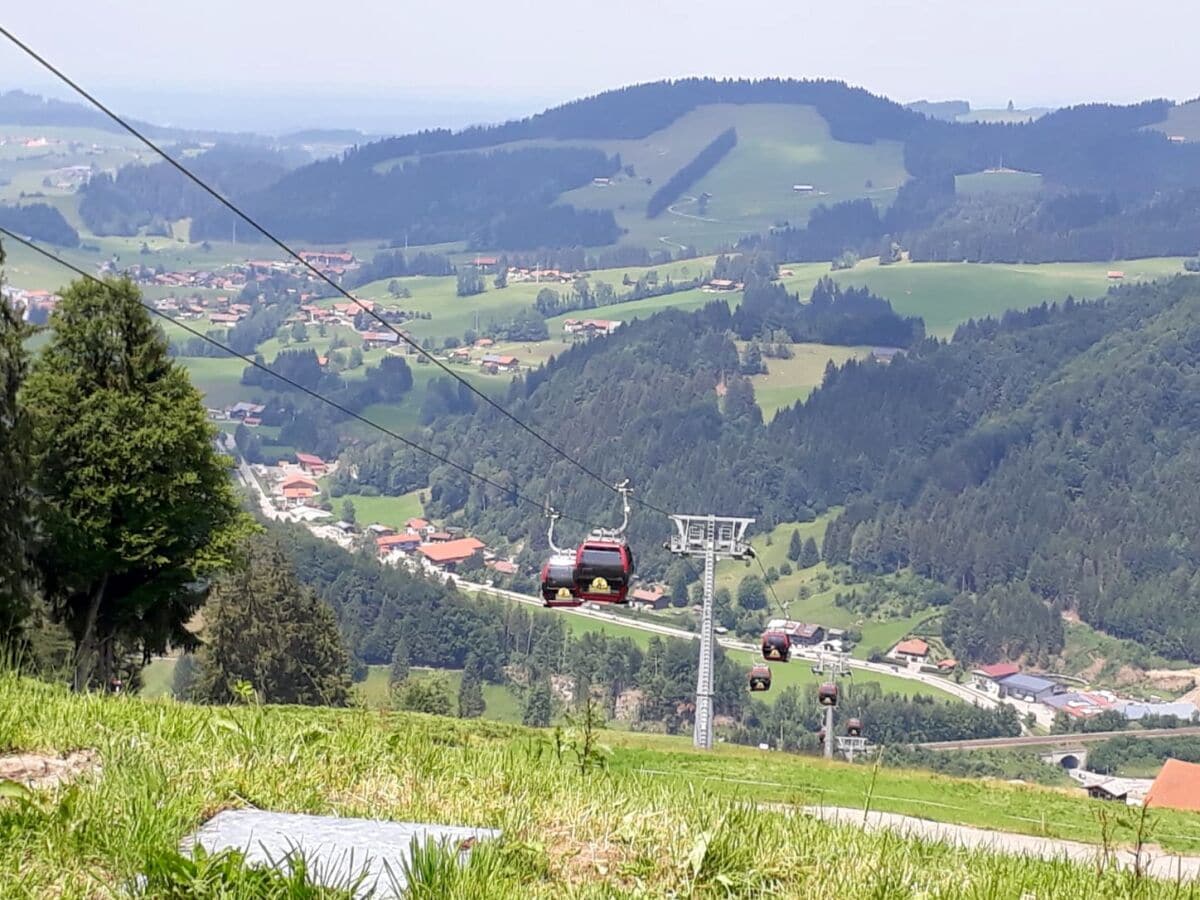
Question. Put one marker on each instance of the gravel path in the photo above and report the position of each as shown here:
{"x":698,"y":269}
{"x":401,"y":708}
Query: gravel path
{"x":1155,"y":862}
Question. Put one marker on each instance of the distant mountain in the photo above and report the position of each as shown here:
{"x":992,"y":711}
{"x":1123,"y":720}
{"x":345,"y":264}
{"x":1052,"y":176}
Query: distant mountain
{"x":949,"y":110}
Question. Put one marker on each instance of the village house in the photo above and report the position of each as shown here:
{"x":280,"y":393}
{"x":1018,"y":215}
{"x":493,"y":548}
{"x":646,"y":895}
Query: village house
{"x":988,"y":678}
{"x":374,"y":339}
{"x":242,"y":410}
{"x":377,"y":530}
{"x":450,"y":554}
{"x":419,"y":526}
{"x":461,"y":354}
{"x":1081,"y":704}
{"x":799,"y":633}
{"x":389,"y":543}
{"x":484,"y":342}
{"x":1176,"y":787}
{"x":1029,"y":688}
{"x":648,"y":598}
{"x":721,"y":285}
{"x":311,"y":464}
{"x":494,"y":362}
{"x":912,"y":650}
{"x":590,"y":327}
{"x":502,"y":566}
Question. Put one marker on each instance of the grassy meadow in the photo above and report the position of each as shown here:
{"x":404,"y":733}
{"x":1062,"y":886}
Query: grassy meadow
{"x":658,"y":819}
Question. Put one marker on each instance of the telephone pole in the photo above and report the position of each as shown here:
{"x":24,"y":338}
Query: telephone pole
{"x":712,"y":538}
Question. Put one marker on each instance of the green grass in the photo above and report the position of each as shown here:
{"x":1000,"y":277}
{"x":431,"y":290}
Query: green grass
{"x":393,"y":511}
{"x":1005,"y":181}
{"x":158,"y":677}
{"x":502,"y":705}
{"x":218,"y":378}
{"x":660,"y":820}
{"x":947,"y":294}
{"x":819,"y":607}
{"x":790,"y":380}
{"x":1182,"y":120}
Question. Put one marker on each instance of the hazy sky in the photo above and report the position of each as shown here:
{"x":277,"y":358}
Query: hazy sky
{"x":200,"y":62}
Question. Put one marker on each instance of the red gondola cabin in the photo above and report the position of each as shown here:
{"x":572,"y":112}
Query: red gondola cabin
{"x":602,"y":571}
{"x":558,"y":582}
{"x":760,"y":678}
{"x":775,"y":646}
{"x":854,"y":728}
{"x":827,"y":694}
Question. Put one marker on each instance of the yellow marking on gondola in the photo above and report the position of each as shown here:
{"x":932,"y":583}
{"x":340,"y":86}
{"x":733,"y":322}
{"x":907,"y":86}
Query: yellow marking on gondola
{"x":600,"y":586}
{"x":563,"y":594}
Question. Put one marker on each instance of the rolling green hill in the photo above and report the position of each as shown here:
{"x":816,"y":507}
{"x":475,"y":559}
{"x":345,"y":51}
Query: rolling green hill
{"x":656,"y":819}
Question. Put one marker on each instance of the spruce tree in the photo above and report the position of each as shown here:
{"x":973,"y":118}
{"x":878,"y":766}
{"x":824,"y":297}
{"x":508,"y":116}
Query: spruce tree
{"x":809,"y":556}
{"x":16,"y":526}
{"x":400,"y":662}
{"x":136,"y":507}
{"x":470,"y":691}
{"x":263,"y":626}
{"x":795,"y":548}
{"x":539,"y":705}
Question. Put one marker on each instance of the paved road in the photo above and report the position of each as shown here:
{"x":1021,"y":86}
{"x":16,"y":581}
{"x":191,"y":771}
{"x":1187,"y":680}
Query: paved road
{"x":960,"y":691}
{"x":1059,"y":740}
{"x":1154,"y":862}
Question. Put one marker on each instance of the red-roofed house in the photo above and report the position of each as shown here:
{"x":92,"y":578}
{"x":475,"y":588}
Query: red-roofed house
{"x":417,"y":524}
{"x":649,"y":598}
{"x":911,"y":650}
{"x":295,"y":481}
{"x":313,"y":465}
{"x":947,"y":665}
{"x":404,"y":542}
{"x":451,"y":553}
{"x":988,"y":678}
{"x":297,"y":496}
{"x":1176,"y":787}
{"x":502,"y":566}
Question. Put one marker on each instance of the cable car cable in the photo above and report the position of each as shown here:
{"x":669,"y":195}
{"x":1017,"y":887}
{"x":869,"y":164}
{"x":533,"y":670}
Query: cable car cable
{"x":292,"y":383}
{"x":771,"y":587}
{"x":228,"y":204}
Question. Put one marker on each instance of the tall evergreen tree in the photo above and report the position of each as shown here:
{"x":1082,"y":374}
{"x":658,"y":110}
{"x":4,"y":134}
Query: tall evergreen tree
{"x":400,"y":662}
{"x":809,"y":555}
{"x":264,"y":627}
{"x":136,"y":506}
{"x":470,"y":691}
{"x":795,"y":547}
{"x":539,"y":706}
{"x":15,"y":503}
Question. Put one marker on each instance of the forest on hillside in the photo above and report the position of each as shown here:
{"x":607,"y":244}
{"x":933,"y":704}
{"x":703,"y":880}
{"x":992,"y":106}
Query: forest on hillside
{"x":1039,"y":463}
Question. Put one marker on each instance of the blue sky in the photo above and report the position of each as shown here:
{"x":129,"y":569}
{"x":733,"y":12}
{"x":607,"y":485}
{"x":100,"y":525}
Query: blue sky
{"x":352,"y":61}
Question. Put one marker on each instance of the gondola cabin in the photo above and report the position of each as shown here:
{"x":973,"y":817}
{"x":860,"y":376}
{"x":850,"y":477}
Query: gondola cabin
{"x":558,"y":582}
{"x":602,"y":571}
{"x":775,"y":646}
{"x":827,"y":694}
{"x":854,"y":728}
{"x":760,"y":678}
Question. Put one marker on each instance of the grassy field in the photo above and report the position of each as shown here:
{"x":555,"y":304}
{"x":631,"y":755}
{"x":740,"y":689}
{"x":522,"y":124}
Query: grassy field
{"x":947,"y":294}
{"x":789,"y":380}
{"x":659,"y":820}
{"x":821,"y":586}
{"x":1183,"y":120}
{"x":393,"y":511}
{"x":502,"y":705}
{"x":778,"y":146}
{"x":1005,"y":181}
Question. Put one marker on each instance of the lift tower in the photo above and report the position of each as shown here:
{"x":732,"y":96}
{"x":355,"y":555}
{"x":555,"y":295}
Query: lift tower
{"x":712,"y":538}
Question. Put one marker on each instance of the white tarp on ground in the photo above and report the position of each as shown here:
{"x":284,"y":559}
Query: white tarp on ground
{"x":336,"y":851}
